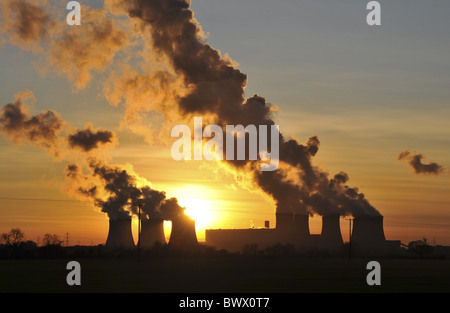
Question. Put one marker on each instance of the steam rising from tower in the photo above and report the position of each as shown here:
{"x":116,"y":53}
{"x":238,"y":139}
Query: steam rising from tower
{"x":215,"y":88}
{"x":212,"y":87}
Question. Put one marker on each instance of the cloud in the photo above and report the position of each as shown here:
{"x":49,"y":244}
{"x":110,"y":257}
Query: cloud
{"x":48,"y":130}
{"x":26,"y":23}
{"x":78,"y":51}
{"x":42,"y":130}
{"x":116,"y":189}
{"x":89,"y":139}
{"x":414,"y":160}
{"x":74,"y":52}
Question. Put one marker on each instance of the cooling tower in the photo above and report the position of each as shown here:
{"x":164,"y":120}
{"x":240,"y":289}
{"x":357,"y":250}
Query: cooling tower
{"x":284,"y":227}
{"x":183,"y":232}
{"x":292,"y":228}
{"x":368,"y":234}
{"x":301,"y":225}
{"x":331,"y":237}
{"x":301,"y":229}
{"x":119,"y":235}
{"x":152,"y":231}
{"x":284,"y":221}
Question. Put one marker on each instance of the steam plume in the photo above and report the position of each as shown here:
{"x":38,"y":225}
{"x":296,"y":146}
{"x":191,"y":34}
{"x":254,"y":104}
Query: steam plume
{"x":41,"y":130}
{"x":115,"y":189}
{"x":26,"y":23}
{"x":92,"y":46}
{"x":88,"y":139}
{"x":119,"y":192}
{"x":75,"y":52}
{"x":211,"y":86}
{"x":415,"y":161}
{"x":215,"y":87}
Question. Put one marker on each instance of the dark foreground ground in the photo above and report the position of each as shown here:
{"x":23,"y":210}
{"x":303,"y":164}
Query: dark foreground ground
{"x":233,"y":274}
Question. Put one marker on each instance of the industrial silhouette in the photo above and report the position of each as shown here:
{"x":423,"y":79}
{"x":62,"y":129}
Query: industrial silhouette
{"x":152,"y":231}
{"x":367,"y":235}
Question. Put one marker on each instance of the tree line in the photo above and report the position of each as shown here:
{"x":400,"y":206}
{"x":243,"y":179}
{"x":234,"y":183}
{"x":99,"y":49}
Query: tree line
{"x":14,"y":246}
{"x":16,"y":237}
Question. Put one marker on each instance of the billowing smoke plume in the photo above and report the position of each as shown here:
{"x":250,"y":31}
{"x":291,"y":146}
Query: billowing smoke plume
{"x":415,"y":161}
{"x":46,"y":130}
{"x":119,"y":192}
{"x":74,"y":52}
{"x":196,"y":80}
{"x":215,"y":87}
{"x":26,"y":22}
{"x":92,"y":46}
{"x":89,"y":139}
{"x":42,"y":130}
{"x":116,"y":190}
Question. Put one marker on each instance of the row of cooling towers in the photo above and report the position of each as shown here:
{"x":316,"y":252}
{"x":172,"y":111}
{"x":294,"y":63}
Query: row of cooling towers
{"x":151,"y":232}
{"x":367,"y":234}
{"x":293,"y":229}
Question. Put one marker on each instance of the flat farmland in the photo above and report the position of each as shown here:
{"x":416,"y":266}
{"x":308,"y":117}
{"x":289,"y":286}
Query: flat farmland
{"x":225,"y":275}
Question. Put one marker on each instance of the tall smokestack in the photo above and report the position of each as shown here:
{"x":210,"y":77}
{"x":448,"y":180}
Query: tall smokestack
{"x":183,"y":232}
{"x":120,"y":235}
{"x":331,"y":237}
{"x":152,"y":231}
{"x":368,"y":234}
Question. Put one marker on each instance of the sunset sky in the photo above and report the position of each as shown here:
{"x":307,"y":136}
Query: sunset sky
{"x":368,"y":93}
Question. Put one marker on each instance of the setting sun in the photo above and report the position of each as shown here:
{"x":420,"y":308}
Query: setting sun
{"x":198,"y":201}
{"x":199,"y":210}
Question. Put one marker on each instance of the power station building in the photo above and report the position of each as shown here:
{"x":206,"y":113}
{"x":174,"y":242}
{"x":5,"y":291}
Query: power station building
{"x":293,"y":229}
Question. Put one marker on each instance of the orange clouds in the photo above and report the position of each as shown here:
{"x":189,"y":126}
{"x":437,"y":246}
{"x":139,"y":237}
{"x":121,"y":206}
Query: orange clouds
{"x":72,"y":51}
{"x":415,"y":161}
{"x":42,"y":130}
{"x":90,"y":47}
{"x":26,"y":23}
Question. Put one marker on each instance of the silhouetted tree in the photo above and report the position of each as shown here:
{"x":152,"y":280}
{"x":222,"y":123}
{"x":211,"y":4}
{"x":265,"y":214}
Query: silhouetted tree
{"x":14,"y":237}
{"x":420,"y":247}
{"x":51,"y":240}
{"x":52,"y":248}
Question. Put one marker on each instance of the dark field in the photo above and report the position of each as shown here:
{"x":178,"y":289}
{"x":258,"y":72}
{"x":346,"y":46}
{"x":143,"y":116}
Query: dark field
{"x":229,"y":274}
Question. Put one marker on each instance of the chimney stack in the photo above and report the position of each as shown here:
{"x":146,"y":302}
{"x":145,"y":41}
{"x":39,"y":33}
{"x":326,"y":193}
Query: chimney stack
{"x":120,"y":235}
